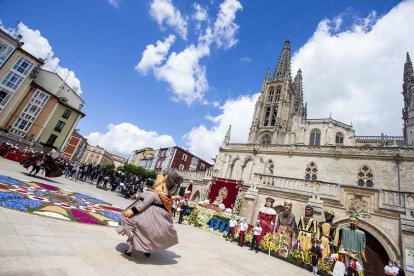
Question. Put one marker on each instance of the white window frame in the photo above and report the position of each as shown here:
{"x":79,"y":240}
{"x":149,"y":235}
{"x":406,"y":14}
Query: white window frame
{"x":30,"y":113}
{"x":23,"y":66}
{"x":12,"y":80}
{"x":181,"y":167}
{"x":5,"y":53}
{"x":184,"y":158}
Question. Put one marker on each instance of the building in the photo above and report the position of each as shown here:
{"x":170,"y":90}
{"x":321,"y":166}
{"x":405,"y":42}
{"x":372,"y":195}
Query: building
{"x":143,"y":157}
{"x":96,"y":155}
{"x":75,"y":147}
{"x":36,"y":105}
{"x":118,"y":160}
{"x":66,"y":112}
{"x":323,"y":163}
{"x":178,"y":158}
{"x":18,"y":68}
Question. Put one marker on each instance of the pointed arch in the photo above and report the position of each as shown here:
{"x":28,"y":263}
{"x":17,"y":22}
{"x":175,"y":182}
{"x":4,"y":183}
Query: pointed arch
{"x":196,"y":196}
{"x":311,"y":171}
{"x":381,"y":236}
{"x":365,"y":176}
{"x":315,"y":137}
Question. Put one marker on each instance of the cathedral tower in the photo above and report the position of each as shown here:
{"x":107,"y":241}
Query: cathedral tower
{"x":280,"y":101}
{"x":408,"y":110}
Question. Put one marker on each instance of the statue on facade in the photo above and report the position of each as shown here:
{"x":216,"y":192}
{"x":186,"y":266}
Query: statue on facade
{"x":353,"y":240}
{"x":328,"y":234}
{"x":286,"y":223}
{"x":267,"y":217}
{"x":222,"y":194}
{"x":308,"y":228}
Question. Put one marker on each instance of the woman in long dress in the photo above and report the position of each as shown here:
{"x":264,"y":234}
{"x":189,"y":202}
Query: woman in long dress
{"x":148,"y":222}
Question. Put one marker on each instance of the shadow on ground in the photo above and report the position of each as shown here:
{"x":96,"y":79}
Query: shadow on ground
{"x":164,"y":257}
{"x":40,"y":177}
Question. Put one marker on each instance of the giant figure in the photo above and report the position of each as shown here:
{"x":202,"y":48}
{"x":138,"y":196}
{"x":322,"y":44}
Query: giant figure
{"x":286,"y":223}
{"x":328,"y":234}
{"x":353,"y":239}
{"x":267,"y":217}
{"x":308,"y":228}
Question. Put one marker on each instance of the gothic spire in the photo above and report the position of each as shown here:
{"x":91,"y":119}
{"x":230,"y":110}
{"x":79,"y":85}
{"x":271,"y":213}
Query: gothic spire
{"x":282,"y":70}
{"x":266,"y":78}
{"x":297,"y":88}
{"x":408,"y":92}
{"x":227,"y":137}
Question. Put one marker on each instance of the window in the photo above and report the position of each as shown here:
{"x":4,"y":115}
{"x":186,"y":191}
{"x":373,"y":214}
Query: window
{"x":181,"y":167}
{"x":365,"y":176}
{"x":66,"y":113}
{"x":23,"y":66}
{"x":29,"y":114}
{"x":267,"y":115}
{"x":311,"y":172}
{"x":271,"y":92}
{"x":266,"y":140}
{"x":184,"y":158}
{"x":12,"y":80}
{"x":274,"y":115}
{"x":315,"y":137}
{"x":4,"y":97}
{"x":277,"y":96}
{"x":202,"y":166}
{"x":339,"y":138}
{"x":59,"y":126}
{"x":52,"y":139}
{"x":5,"y":51}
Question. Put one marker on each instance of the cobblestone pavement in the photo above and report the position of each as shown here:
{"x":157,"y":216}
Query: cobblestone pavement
{"x":35,"y":245}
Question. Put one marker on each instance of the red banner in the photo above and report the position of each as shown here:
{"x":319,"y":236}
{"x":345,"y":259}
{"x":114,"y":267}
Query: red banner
{"x":224,"y":191}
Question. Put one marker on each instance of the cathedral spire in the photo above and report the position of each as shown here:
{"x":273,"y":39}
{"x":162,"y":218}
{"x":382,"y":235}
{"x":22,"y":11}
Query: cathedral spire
{"x":282,"y":70}
{"x":408,"y":94}
{"x":266,"y":78}
{"x":297,"y":88}
{"x":227,"y":137}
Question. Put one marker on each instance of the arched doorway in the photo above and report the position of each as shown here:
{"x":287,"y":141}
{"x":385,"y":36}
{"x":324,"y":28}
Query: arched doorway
{"x":375,"y":254}
{"x":196,"y":196}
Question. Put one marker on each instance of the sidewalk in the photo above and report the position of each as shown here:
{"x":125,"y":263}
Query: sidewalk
{"x":36,"y":245}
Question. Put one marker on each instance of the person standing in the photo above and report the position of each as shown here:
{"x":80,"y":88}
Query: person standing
{"x":148,"y":222}
{"x":316,"y":253}
{"x":183,"y":207}
{"x":257,"y":231}
{"x":232,"y":229}
{"x":243,"y":226}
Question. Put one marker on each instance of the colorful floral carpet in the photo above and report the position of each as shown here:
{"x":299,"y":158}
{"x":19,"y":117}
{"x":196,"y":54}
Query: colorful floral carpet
{"x":50,"y":201}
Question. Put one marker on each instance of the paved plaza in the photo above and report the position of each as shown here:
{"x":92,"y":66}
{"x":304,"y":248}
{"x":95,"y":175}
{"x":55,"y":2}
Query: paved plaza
{"x":36,"y":245}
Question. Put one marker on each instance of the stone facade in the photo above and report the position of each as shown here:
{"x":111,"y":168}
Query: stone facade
{"x":321,"y":162}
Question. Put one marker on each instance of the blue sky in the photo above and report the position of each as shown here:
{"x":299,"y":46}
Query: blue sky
{"x":160,"y":72}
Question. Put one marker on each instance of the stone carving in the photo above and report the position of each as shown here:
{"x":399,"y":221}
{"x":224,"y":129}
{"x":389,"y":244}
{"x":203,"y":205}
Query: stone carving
{"x":358,"y":207}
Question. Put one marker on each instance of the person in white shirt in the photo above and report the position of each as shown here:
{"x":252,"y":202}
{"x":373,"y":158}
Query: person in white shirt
{"x":232,"y":225}
{"x":243,"y":226}
{"x":257,"y":230}
{"x":390,"y":269}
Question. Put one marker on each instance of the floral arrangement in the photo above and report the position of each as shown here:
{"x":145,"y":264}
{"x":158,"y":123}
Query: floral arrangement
{"x":47,"y":200}
{"x":237,"y":205}
{"x":269,"y":241}
{"x":204,"y":192}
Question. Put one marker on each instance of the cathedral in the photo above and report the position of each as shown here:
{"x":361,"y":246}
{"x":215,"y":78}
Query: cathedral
{"x":323,"y":163}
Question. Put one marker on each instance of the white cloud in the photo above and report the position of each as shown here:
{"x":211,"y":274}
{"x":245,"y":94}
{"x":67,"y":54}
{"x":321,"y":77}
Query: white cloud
{"x":184,"y":74}
{"x":39,"y":46}
{"x":163,"y":11}
{"x":200,"y":13}
{"x":245,"y":59}
{"x":124,"y":138}
{"x":154,"y":55}
{"x":237,"y":113}
{"x":114,"y":3}
{"x":224,"y":28}
{"x":357,"y":73}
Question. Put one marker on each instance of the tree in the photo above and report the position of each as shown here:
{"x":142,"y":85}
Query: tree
{"x":137,"y":171}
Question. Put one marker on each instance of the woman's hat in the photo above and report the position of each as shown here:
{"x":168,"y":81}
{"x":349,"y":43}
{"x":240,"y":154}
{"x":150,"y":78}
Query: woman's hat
{"x":352,"y":255}
{"x":342,"y":251}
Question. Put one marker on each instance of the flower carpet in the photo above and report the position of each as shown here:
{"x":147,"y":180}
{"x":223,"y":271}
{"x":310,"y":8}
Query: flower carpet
{"x":51,"y":201}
